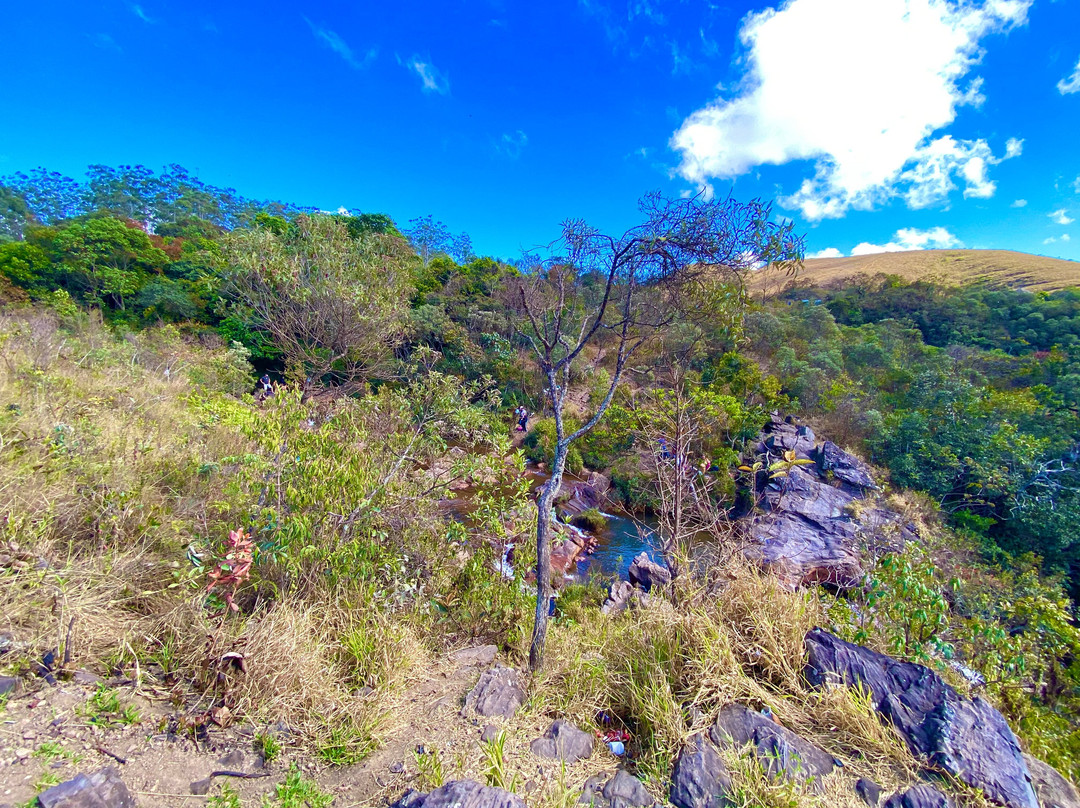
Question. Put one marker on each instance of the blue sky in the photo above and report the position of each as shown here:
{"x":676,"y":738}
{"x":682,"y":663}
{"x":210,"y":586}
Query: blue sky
{"x":874,"y":124}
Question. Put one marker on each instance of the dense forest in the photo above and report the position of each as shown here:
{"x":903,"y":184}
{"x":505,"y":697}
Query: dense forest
{"x":407,"y":344}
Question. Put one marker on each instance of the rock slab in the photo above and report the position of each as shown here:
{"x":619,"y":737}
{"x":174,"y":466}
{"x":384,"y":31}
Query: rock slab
{"x":700,"y":779}
{"x":563,"y":741}
{"x":966,"y":737}
{"x":918,"y":797}
{"x":646,"y":573}
{"x":461,"y":794}
{"x":781,"y":751}
{"x":626,"y":791}
{"x":1053,"y":790}
{"x":498,"y":693}
{"x":102,"y":789}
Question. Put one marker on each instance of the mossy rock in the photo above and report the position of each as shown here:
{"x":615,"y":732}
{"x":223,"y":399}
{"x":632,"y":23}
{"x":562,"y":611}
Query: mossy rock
{"x":591,"y":520}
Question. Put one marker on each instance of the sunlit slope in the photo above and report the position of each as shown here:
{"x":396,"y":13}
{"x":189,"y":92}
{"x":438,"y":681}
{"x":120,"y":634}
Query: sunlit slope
{"x":997,"y":267}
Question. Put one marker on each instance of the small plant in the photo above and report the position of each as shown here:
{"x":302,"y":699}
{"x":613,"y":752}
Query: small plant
{"x":431,"y":768}
{"x":104,"y":707}
{"x":49,"y":751}
{"x":296,"y":792}
{"x":268,"y":746}
{"x":48,"y":779}
{"x":495,"y":770}
{"x":228,"y":798}
{"x":230,"y":572}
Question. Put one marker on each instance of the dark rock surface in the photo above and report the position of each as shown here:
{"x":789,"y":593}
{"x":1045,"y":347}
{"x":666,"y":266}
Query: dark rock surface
{"x":498,"y":692}
{"x":563,"y":741}
{"x":646,"y":573}
{"x":844,"y":467}
{"x":966,"y":737}
{"x":461,"y":794}
{"x":868,"y":791}
{"x":9,"y":685}
{"x":1052,"y":789}
{"x":619,"y":597}
{"x":700,"y":779}
{"x":918,"y":797}
{"x":102,"y":789}
{"x":780,"y":750}
{"x":626,"y":791}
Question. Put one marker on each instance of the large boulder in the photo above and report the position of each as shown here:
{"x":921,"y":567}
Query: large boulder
{"x":845,"y":467}
{"x":626,"y":791}
{"x":102,"y":789}
{"x":918,"y":797}
{"x":498,"y":692}
{"x":563,"y":741}
{"x":781,"y":751}
{"x":966,"y":737}
{"x":1053,"y":790}
{"x":461,"y":794}
{"x":700,"y":779}
{"x":646,"y":573}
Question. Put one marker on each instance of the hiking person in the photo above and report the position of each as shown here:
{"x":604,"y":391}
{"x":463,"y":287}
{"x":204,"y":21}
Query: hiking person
{"x":523,"y":420}
{"x":265,"y":382}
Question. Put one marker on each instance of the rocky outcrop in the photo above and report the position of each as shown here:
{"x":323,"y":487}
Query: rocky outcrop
{"x":587,"y":494}
{"x":1053,"y":790}
{"x":700,"y":779}
{"x":646,"y":573}
{"x":626,"y":791}
{"x":461,"y":794}
{"x":498,"y":693}
{"x":571,"y":543}
{"x":966,"y":737}
{"x":814,"y":522}
{"x":781,"y":752}
{"x":620,"y":595}
{"x":563,"y":741}
{"x":103,"y":789}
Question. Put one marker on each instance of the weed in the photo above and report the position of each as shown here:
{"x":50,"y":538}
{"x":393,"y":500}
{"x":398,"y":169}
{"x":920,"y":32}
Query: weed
{"x":344,"y":742}
{"x":103,"y":707}
{"x":48,"y":779}
{"x":495,"y":770}
{"x":431,"y":768}
{"x":268,"y":746}
{"x":228,"y":798}
{"x":296,"y":792}
{"x":49,"y":751}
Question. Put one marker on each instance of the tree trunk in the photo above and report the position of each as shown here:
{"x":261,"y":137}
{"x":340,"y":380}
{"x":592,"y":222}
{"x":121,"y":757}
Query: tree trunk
{"x":544,"y":505}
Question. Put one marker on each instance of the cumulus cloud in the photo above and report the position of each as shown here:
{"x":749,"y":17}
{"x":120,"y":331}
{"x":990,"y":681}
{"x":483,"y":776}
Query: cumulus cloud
{"x":910,"y":238}
{"x":1071,"y":83}
{"x":432,"y":80}
{"x":1049,"y":240}
{"x":867,"y":109}
{"x":828,"y":252}
{"x":1019,"y":203}
{"x":339,"y":46}
{"x":1060,"y":217}
{"x":142,"y":15}
{"x":1066,"y":237}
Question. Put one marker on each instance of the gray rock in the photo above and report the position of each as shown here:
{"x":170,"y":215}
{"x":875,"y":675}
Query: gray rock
{"x":1053,"y":790}
{"x":592,"y":794}
{"x":781,"y":437}
{"x":201,"y":788}
{"x":626,"y":791}
{"x":461,"y":794}
{"x":967,"y":738}
{"x":868,"y":791}
{"x":618,"y":597}
{"x":700,"y":779}
{"x":780,"y":750}
{"x":498,"y":692}
{"x":918,"y":797}
{"x":10,"y":685}
{"x":233,"y":759}
{"x":478,"y":656}
{"x":845,"y":467}
{"x":646,"y":573}
{"x":102,"y":789}
{"x":490,"y":733}
{"x":563,"y":741}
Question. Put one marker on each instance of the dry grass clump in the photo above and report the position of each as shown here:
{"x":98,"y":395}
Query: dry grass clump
{"x":665,"y":671}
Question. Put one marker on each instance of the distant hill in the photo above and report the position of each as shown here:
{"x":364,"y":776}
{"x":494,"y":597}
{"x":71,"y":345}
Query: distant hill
{"x":954,"y":267}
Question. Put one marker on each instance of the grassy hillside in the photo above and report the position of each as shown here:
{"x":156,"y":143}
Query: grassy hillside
{"x":953,"y":267}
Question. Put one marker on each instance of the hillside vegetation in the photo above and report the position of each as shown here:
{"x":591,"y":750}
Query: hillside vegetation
{"x":223,"y":557}
{"x":1005,"y":268}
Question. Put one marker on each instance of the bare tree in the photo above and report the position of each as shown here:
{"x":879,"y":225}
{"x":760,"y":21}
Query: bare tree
{"x":620,"y":291}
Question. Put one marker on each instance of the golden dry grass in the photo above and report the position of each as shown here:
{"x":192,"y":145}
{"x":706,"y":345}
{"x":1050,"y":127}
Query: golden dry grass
{"x":1016,"y":270}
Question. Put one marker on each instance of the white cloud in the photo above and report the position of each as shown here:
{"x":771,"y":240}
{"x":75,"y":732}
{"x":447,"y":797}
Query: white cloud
{"x":1076,"y":185}
{"x":1060,"y":217}
{"x":1049,"y":240}
{"x":339,"y":46}
{"x":1066,"y":237}
{"x":1019,"y":203}
{"x":828,"y":252}
{"x":432,"y":80}
{"x":511,"y":144}
{"x":1071,"y":83}
{"x":910,"y":238}
{"x":884,"y":78}
{"x":142,"y":15}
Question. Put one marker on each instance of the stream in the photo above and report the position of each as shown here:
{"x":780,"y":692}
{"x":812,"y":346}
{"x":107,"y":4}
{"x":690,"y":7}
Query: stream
{"x":617,"y":544}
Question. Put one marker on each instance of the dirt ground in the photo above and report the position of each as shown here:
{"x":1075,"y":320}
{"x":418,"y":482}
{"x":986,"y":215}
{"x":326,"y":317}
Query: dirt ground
{"x":46,"y":737}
